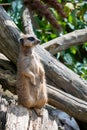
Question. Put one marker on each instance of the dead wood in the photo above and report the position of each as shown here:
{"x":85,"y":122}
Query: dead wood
{"x":7,"y":74}
{"x":8,"y":80}
{"x":5,"y":4}
{"x":64,"y":42}
{"x":29,"y":120}
{"x":13,"y":116}
{"x":73,"y":106}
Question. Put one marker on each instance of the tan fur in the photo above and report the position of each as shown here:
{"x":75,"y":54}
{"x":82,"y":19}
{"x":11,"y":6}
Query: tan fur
{"x":31,"y":84}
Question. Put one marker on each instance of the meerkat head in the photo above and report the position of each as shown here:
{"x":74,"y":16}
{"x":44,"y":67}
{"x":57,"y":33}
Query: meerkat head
{"x":28,"y":40}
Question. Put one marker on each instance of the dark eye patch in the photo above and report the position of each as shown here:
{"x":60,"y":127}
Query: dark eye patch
{"x":31,"y":38}
{"x":21,"y":40}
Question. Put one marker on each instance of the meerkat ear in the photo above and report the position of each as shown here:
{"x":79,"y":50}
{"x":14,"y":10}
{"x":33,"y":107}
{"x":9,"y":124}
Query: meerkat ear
{"x":21,"y":40}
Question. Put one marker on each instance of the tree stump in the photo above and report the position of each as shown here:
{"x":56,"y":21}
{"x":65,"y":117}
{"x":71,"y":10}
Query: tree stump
{"x":20,"y":118}
{"x":16,"y":117}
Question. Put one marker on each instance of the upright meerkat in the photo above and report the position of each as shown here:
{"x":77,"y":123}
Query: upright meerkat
{"x":31,"y":84}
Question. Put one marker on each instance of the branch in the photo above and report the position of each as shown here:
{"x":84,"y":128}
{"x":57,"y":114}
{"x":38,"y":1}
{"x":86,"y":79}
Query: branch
{"x":61,"y":77}
{"x":8,"y":45}
{"x":5,"y":4}
{"x":27,"y":22}
{"x":7,"y":76}
{"x":64,"y":42}
{"x":73,"y":106}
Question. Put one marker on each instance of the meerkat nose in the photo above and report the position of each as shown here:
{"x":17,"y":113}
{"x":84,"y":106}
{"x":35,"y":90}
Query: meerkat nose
{"x":38,"y":41}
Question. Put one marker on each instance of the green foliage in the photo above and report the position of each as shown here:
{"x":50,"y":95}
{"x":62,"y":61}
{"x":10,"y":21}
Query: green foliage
{"x":45,"y":32}
{"x":75,"y":57}
{"x":15,"y":11}
{"x":76,"y":11}
{"x":5,"y":1}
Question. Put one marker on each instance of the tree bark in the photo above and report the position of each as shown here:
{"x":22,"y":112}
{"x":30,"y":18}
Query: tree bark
{"x":9,"y":36}
{"x":29,"y":120}
{"x":19,"y":118}
{"x":57,"y":73}
{"x":61,"y":77}
{"x":64,"y":42}
{"x":73,"y":106}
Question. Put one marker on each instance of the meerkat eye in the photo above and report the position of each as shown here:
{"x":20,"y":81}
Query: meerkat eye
{"x":31,"y":38}
{"x":21,"y":40}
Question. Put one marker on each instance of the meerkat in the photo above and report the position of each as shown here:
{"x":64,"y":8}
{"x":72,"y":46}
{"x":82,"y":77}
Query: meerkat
{"x":31,"y":83}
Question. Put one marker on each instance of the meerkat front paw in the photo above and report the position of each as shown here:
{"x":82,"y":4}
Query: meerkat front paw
{"x":38,"y":111}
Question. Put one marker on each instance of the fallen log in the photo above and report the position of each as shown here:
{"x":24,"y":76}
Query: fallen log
{"x":57,"y":73}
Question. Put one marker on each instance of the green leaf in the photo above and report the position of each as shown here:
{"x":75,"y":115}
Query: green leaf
{"x":70,"y":19}
{"x":74,"y":49}
{"x":68,"y":59}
